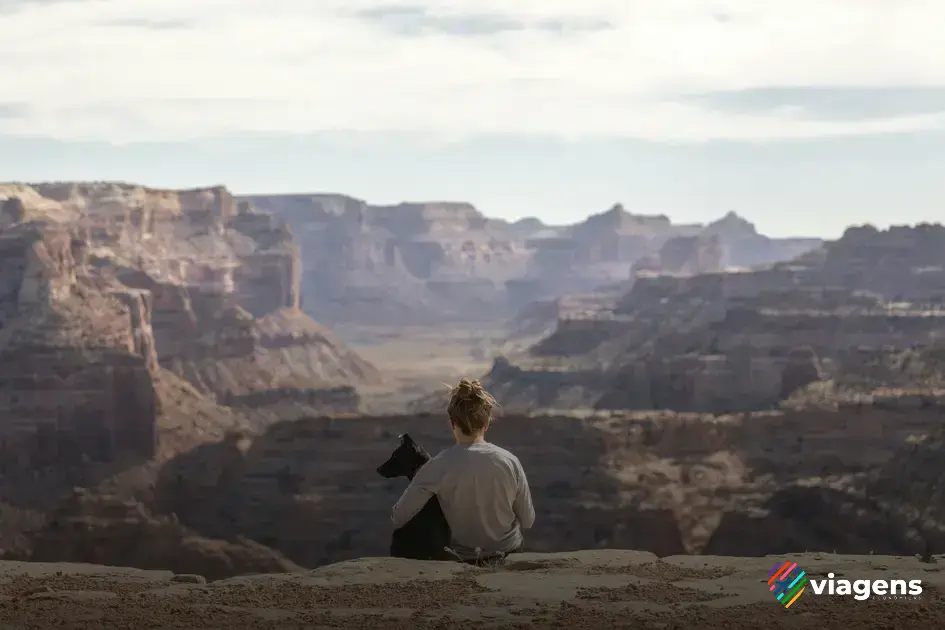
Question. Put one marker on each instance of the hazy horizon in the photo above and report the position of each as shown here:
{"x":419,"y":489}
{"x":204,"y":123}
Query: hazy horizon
{"x":803,"y":117}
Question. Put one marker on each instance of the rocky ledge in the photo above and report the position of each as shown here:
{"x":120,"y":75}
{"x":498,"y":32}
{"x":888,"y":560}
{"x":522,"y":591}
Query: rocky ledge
{"x":583,"y":589}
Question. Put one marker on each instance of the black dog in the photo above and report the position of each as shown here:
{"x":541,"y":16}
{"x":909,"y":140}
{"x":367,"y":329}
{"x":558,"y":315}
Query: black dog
{"x":427,"y":535}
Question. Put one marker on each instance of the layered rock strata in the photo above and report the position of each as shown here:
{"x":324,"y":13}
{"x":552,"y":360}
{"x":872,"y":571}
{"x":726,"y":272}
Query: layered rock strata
{"x":668,"y":483}
{"x":127,"y":316}
{"x":747,"y":340}
{"x":103,"y":529}
{"x":437,"y":262}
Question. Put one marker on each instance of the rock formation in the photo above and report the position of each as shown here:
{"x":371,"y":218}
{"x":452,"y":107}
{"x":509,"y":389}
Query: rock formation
{"x":103,"y":529}
{"x":863,"y":312}
{"x":130,"y":316}
{"x":435,"y":262}
{"x":212,"y":290}
{"x":659,"y":481}
{"x":385,"y":264}
{"x":305,"y":492}
{"x":743,"y":246}
{"x":692,"y":254}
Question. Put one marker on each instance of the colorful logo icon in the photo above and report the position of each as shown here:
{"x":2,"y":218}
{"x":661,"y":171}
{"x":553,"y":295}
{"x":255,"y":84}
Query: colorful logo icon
{"x":787,"y":582}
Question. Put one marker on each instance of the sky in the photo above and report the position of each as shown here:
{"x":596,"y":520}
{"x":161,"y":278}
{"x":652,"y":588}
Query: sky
{"x":804,"y":116}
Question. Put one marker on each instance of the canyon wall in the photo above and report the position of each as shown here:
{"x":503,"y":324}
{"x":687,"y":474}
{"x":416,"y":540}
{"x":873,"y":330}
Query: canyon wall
{"x":445,"y":261}
{"x":655,"y":481}
{"x":738,"y":340}
{"x":127,"y":315}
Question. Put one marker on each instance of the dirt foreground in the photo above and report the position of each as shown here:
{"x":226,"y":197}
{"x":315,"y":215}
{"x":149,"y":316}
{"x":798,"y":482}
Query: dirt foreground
{"x":585,"y":589}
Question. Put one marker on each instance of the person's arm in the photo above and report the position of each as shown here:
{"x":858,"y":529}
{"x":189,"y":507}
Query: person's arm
{"x":522,"y":507}
{"x":424,"y":485}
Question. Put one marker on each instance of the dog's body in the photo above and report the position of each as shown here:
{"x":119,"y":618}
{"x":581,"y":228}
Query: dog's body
{"x":427,"y":535}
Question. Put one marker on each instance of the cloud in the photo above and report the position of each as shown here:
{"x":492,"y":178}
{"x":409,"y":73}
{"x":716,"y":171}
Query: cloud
{"x":415,"y":21}
{"x":146,"y":23}
{"x":661,"y":70}
{"x":12,"y":6}
{"x":12,"y":110}
{"x":831,"y":103}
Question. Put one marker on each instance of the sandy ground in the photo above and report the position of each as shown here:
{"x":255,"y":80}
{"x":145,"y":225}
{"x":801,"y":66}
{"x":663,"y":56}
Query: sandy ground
{"x":416,"y":361}
{"x":589,"y":589}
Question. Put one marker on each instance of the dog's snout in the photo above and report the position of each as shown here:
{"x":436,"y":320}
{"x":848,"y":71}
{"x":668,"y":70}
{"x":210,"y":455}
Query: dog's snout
{"x":386,"y":470}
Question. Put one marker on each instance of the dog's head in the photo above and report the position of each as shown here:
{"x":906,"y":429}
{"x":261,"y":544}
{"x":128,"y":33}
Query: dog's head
{"x":405,"y":461}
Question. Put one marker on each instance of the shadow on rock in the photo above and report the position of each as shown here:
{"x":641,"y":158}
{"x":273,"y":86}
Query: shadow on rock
{"x":106,"y":530}
{"x":308,"y":488}
{"x":817,"y":518}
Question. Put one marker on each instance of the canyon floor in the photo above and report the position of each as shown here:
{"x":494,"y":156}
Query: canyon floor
{"x":584,"y":589}
{"x":419,"y":360}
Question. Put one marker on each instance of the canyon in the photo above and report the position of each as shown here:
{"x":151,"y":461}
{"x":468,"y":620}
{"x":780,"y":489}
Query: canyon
{"x":196,"y":381}
{"x":437,"y":262}
{"x":860,"y":313}
{"x":139,"y":323}
{"x":660,"y":482}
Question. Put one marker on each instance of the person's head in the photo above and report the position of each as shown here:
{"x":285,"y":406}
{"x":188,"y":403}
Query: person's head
{"x":470,"y":410}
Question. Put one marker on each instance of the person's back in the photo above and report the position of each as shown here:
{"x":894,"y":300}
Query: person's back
{"x":485,"y":498}
{"x":482,"y":488}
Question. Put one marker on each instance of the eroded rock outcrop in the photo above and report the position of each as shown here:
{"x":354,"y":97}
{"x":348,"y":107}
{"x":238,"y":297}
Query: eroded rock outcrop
{"x":206,"y":284}
{"x":743,"y":246}
{"x":410,"y":262}
{"x":657,"y":481}
{"x":77,"y":363}
{"x":127,"y":325}
{"x":748,"y":339}
{"x":102,"y":529}
{"x":692,"y":254}
{"x":436,"y":262}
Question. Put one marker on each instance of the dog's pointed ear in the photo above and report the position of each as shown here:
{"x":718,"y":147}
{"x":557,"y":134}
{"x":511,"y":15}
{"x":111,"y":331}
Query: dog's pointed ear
{"x":405,"y":438}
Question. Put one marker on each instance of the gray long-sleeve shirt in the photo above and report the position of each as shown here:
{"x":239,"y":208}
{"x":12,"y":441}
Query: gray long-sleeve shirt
{"x":484,"y":494}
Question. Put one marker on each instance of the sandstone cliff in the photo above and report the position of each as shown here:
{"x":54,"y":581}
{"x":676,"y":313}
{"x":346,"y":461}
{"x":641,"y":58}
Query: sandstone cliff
{"x":421,"y":262}
{"x":692,"y":254}
{"x":435,"y":262}
{"x":212,"y":288}
{"x":861,"y":313}
{"x":743,"y":246}
{"x":130,"y":316}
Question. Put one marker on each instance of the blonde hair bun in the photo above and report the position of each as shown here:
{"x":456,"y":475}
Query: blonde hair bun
{"x":469,"y":390}
{"x":470,"y":407}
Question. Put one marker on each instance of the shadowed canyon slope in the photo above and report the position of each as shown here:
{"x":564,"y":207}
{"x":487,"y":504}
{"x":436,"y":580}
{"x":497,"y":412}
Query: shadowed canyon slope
{"x":440,"y":261}
{"x":305,"y":492}
{"x":662,"y":482}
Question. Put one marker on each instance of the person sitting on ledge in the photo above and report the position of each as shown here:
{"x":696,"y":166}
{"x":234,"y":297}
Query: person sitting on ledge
{"x":481,"y":487}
